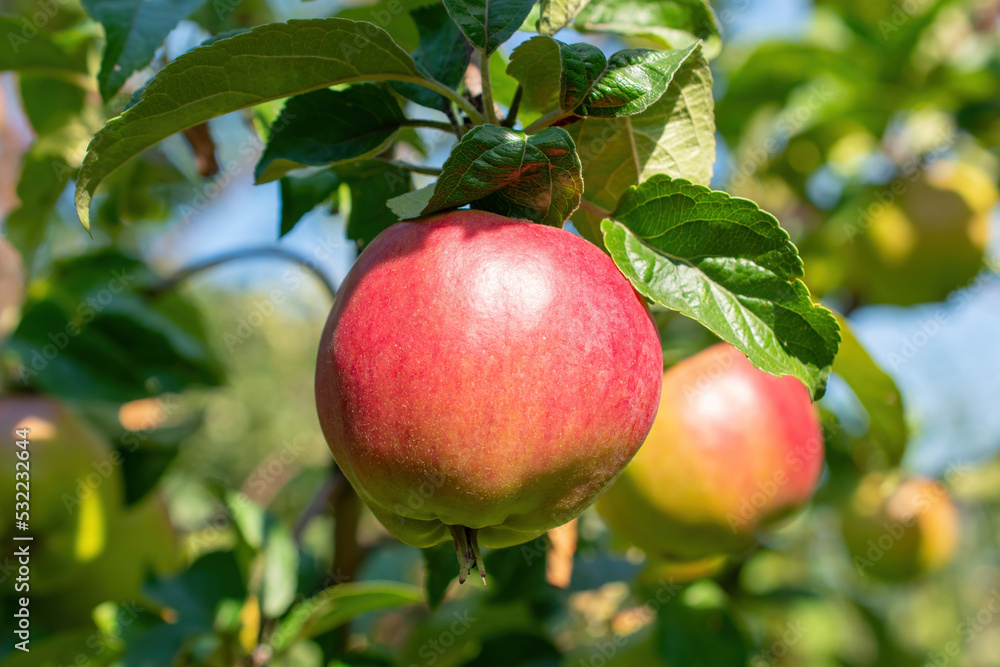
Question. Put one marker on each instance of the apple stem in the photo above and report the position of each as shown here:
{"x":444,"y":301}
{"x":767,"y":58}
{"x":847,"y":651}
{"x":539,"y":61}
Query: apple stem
{"x":467,"y":550}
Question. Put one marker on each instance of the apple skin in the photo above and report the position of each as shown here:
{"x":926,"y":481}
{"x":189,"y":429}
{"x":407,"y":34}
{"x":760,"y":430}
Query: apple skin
{"x":733,"y":449}
{"x":897,"y":532}
{"x":487,"y":373}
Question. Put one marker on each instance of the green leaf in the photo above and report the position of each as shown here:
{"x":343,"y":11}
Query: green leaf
{"x":694,"y":633}
{"x":281,"y":571}
{"x":393,"y":16}
{"x":633,"y":80}
{"x":877,"y":392}
{"x":557,"y":14}
{"x":338,"y":605}
{"x":248,"y":517}
{"x":555,"y":75}
{"x":62,"y":648}
{"x":96,"y":335}
{"x":38,"y":53}
{"x":301,"y":194}
{"x":518,"y":649}
{"x":370,"y":184}
{"x":538,"y":66}
{"x":488,"y":23}
{"x":43,"y":179}
{"x":675,"y":136}
{"x":669,"y":23}
{"x":443,"y":55}
{"x":439,"y":564}
{"x":503,"y":171}
{"x":727,"y":264}
{"x":411,"y":204}
{"x":330,"y":126}
{"x":196,"y":593}
{"x":269,"y":62}
{"x":134,"y":29}
{"x":577,"y":78}
{"x":50,"y":103}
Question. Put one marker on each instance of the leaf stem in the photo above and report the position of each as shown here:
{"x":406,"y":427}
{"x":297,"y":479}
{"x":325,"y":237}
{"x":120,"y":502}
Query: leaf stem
{"x":415,"y":168}
{"x":432,"y":124}
{"x":594,"y":209}
{"x":484,"y":73}
{"x":549,"y":119}
{"x":456,"y":126}
{"x":452,"y":94}
{"x":515,"y":105}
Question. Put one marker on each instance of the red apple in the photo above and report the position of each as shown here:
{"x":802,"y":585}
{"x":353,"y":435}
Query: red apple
{"x":484,"y":378}
{"x":732,"y":450}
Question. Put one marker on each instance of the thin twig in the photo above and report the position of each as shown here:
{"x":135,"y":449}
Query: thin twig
{"x":415,"y":168}
{"x":433,"y":124}
{"x":515,"y":105}
{"x":547,"y":120}
{"x":318,"y":504}
{"x":247,"y":253}
{"x":456,"y":126}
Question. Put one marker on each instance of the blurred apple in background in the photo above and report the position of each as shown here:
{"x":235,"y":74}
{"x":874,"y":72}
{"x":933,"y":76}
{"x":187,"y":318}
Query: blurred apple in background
{"x":732,"y":450}
{"x":896,"y":531}
{"x":74,"y":488}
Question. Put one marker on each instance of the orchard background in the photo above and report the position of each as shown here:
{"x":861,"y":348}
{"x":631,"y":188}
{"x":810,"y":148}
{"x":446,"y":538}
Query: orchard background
{"x":185,"y":505}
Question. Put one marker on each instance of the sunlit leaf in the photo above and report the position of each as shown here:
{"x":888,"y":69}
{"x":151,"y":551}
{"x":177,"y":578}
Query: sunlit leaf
{"x":269,"y":62}
{"x":727,"y":264}
{"x":675,"y":136}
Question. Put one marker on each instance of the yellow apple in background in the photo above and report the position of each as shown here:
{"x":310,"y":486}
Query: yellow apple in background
{"x":898,"y":531}
{"x":918,"y":238}
{"x":74,"y":489}
{"x":141,"y":541}
{"x":732,"y":450}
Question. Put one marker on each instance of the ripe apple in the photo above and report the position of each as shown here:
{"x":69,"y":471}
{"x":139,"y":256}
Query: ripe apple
{"x":73,"y":489}
{"x":898,"y":531}
{"x":732,"y":450}
{"x":484,"y":379}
